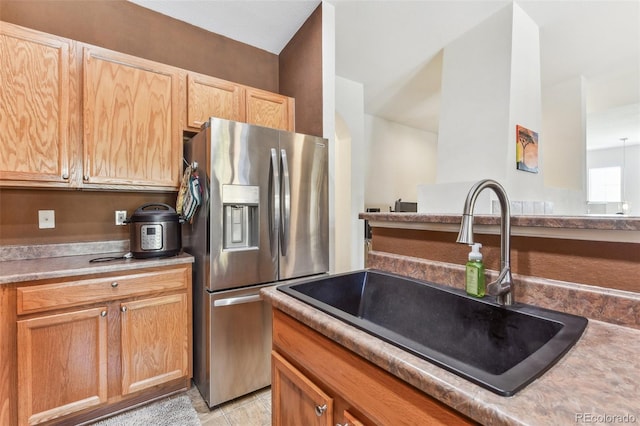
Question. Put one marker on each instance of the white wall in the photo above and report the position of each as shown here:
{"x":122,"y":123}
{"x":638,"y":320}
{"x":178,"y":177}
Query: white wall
{"x":397,"y":159}
{"x":474,"y":116}
{"x":613,"y":157}
{"x":565,"y":142}
{"x":349,"y":176}
{"x":328,"y":113}
{"x":525,"y":104}
{"x":490,"y":83}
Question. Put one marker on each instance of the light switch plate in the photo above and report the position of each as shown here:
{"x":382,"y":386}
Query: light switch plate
{"x":46,"y":219}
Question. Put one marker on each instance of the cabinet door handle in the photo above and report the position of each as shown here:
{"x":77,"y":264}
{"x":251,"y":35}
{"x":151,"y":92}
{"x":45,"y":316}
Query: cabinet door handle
{"x":123,"y":309}
{"x":114,"y":284}
{"x":103,"y":314}
{"x":320,"y":409}
{"x":86,"y":178}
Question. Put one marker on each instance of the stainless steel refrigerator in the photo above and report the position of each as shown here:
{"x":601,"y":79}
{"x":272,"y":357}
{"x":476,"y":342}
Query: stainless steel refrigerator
{"x":263,"y":219}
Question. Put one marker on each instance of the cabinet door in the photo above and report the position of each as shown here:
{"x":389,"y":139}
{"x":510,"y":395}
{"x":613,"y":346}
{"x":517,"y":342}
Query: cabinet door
{"x":269,"y":109}
{"x":155,"y":341}
{"x":34,"y":108}
{"x":62,"y":364}
{"x":132,"y":133}
{"x":296,"y":399}
{"x":212,"y":97}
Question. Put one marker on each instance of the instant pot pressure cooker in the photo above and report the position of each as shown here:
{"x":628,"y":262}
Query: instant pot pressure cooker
{"x":155,"y":231}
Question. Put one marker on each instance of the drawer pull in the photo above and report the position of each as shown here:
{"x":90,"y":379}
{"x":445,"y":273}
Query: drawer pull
{"x":320,"y":409}
{"x":114,"y":284}
{"x":123,"y":309}
{"x":103,"y":314}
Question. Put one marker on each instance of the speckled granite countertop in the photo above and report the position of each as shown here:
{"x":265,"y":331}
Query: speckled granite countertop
{"x":29,"y":263}
{"x":597,"y":381}
{"x":593,"y":228}
{"x":613,"y":222}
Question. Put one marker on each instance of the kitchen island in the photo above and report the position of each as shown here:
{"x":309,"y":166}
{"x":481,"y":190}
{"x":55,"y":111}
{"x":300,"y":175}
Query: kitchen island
{"x":597,"y":381}
{"x":82,"y":340}
{"x":599,"y":376}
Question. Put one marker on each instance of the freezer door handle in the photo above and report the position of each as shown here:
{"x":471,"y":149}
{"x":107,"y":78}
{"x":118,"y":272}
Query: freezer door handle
{"x":286,"y":203}
{"x":274,"y":200}
{"x":237,"y":300}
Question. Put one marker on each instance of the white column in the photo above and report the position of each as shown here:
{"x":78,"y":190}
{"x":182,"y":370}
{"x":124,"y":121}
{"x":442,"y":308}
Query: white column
{"x":490,"y":83}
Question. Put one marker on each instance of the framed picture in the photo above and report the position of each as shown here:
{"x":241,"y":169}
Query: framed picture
{"x":526,"y":149}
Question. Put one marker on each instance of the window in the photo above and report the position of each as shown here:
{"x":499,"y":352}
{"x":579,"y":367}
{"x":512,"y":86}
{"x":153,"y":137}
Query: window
{"x":605,"y":184}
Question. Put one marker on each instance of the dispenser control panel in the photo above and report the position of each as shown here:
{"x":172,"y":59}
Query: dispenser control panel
{"x":151,"y":237}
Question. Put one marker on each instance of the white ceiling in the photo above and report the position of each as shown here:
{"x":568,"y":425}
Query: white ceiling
{"x":393,"y":48}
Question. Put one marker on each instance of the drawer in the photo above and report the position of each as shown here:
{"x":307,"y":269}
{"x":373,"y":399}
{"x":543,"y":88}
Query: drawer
{"x":68,"y":293}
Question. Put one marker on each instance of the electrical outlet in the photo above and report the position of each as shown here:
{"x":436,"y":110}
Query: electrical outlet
{"x":121,"y":217}
{"x":46,"y":219}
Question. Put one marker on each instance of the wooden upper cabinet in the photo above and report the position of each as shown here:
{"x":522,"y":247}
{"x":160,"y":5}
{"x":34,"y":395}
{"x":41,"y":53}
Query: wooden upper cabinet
{"x":76,"y":115}
{"x":213,"y":97}
{"x":270,"y":109}
{"x":132,"y":134}
{"x":34,"y":108}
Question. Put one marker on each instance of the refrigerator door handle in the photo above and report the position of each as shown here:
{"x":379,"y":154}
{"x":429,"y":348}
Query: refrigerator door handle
{"x":237,"y":300}
{"x":286,"y":203}
{"x":274,"y":200}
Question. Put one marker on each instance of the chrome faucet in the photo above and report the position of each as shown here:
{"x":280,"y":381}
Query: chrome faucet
{"x":502,"y":287}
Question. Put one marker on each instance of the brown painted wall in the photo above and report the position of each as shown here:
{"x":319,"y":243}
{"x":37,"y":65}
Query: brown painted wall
{"x":301,"y":74}
{"x":126,"y":27}
{"x":604,"y":264}
{"x":79,"y":215}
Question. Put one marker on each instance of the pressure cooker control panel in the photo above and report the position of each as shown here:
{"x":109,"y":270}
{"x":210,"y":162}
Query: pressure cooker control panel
{"x":151,"y":238}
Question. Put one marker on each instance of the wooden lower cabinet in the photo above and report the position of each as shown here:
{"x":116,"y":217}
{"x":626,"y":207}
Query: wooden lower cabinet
{"x":350,"y":420}
{"x":62,"y":364}
{"x":130,"y":343}
{"x":313,"y":375}
{"x":155,"y":347}
{"x":296,"y":399}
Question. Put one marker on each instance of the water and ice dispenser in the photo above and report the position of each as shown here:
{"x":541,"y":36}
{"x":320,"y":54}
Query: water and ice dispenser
{"x":240,"y":205}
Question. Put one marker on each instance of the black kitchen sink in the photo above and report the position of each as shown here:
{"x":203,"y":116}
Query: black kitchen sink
{"x":502,"y":348}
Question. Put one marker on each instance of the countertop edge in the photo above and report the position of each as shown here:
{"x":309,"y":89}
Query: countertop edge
{"x":17,"y":271}
{"x":607,"y":229}
{"x":612,"y":223}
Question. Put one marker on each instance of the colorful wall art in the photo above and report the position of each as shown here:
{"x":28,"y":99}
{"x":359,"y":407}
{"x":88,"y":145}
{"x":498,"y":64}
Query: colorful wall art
{"x":526,"y":149}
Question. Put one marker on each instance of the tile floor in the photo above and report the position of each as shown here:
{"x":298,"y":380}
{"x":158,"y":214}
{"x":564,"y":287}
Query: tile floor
{"x":251,"y":410}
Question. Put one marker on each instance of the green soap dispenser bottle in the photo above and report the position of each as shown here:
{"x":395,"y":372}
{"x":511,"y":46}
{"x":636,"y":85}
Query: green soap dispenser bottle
{"x":474,"y":278}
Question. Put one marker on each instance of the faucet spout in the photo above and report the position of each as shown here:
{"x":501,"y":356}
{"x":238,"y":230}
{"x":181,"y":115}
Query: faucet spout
{"x":502,"y":287}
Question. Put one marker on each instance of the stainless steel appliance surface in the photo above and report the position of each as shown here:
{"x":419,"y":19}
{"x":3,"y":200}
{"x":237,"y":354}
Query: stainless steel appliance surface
{"x":263,"y":220}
